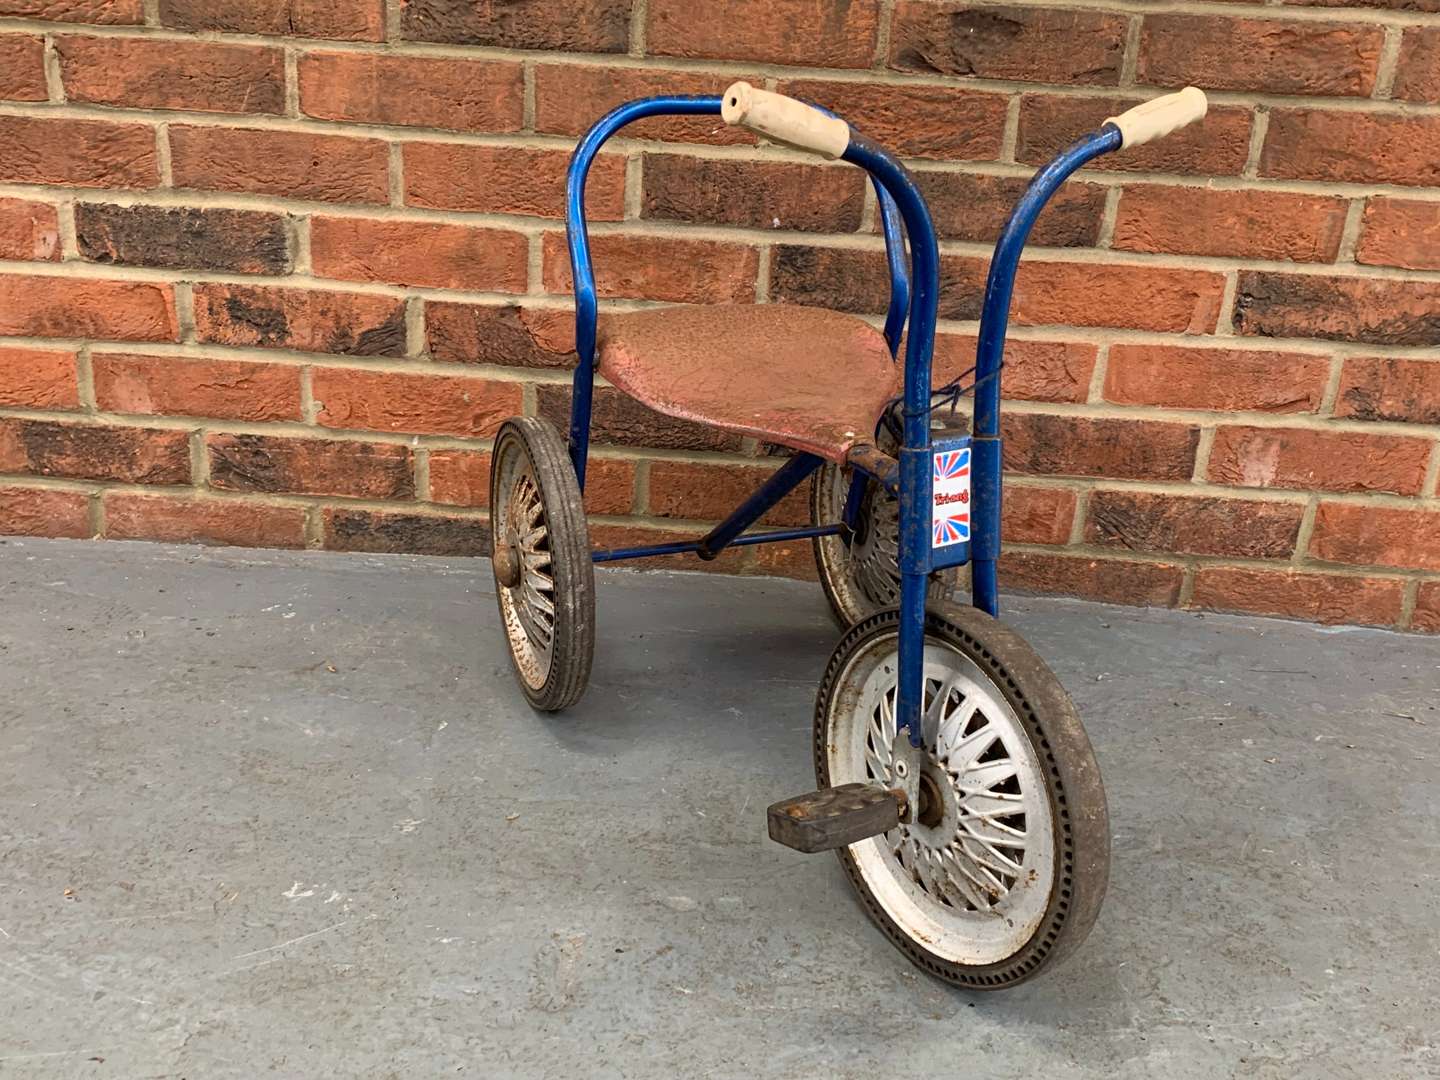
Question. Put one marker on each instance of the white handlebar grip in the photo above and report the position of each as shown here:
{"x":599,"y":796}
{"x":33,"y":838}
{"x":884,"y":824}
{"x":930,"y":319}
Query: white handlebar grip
{"x":785,"y":120}
{"x":1160,"y":116}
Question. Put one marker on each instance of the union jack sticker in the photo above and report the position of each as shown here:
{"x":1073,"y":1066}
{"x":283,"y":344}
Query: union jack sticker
{"x":950,"y":490}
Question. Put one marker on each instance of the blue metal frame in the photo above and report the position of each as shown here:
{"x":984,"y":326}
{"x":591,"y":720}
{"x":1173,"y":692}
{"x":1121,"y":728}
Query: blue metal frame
{"x":989,"y":356}
{"x":913,"y":298}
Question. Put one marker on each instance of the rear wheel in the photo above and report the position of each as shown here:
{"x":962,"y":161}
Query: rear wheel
{"x":1002,"y":869}
{"x":544,"y":579}
{"x":863,"y":576}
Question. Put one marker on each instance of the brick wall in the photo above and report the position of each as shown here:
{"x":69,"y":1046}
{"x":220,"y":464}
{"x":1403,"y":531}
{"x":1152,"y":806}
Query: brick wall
{"x":271,"y":271}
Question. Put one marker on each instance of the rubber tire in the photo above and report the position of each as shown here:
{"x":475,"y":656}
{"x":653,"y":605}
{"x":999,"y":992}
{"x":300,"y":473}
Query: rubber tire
{"x":1073,"y":784}
{"x":846,"y":608}
{"x":563,"y":509}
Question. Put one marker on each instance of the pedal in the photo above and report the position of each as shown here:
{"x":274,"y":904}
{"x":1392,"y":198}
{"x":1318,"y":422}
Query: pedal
{"x":835,"y":817}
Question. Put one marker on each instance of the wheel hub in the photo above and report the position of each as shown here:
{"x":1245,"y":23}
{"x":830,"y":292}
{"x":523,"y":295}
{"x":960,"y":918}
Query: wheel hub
{"x":508,"y":561}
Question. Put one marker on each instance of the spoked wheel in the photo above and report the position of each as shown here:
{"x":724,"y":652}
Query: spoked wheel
{"x":544,"y":579}
{"x":1002,"y":869}
{"x":862,"y":577}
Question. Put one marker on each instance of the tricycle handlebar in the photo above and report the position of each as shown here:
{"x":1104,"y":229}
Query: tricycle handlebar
{"x":1160,"y":116}
{"x":784,"y":120}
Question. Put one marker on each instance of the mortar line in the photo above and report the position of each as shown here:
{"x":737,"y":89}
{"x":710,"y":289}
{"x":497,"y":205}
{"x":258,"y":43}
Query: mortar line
{"x":1131,"y":57}
{"x":421,"y":460}
{"x":634,"y":187}
{"x":1203,"y":446}
{"x":1430,"y":487}
{"x":1259,"y":128}
{"x":1010,"y":135}
{"x":1186,"y":594}
{"x":1409,"y":599}
{"x":69,"y":237}
{"x":763,"y":255}
{"x":85,"y":379}
{"x":309,"y":407}
{"x":415,"y":343}
{"x":199,"y":460}
{"x":1350,"y":232}
{"x":639,"y":16}
{"x":1225,"y":321}
{"x":1331,"y":394}
{"x":292,"y":83}
{"x":527,"y":107}
{"x":54,"y":75}
{"x":1108,"y":216}
{"x":395,"y":174}
{"x":1082,"y":515}
{"x":95,"y":512}
{"x":164,"y":166}
{"x":885,"y":24}
{"x":535,"y":266}
{"x":1389,"y":64}
{"x":314,"y":529}
{"x":185,"y":311}
{"x":1305,"y":531}
{"x":151,"y":10}
{"x":303,"y":262}
{"x":394,"y":31}
{"x":1095,"y":392}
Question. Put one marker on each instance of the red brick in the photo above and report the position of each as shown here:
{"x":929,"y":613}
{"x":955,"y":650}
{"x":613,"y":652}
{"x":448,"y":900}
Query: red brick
{"x":914,"y":121}
{"x":343,"y":20}
{"x":423,"y":404}
{"x":38,"y":379}
{"x":1218,"y":146}
{"x":373,"y":88}
{"x":184,"y":237}
{"x":271,"y":463}
{"x":813,"y":33}
{"x":1400,"y":232}
{"x":700,"y":492}
{"x":1021,"y":43}
{"x":22,"y":68}
{"x":974,"y":207}
{"x":1079,"y":446}
{"x":758,"y":195}
{"x":70,"y":307}
{"x":1036,"y":515}
{"x":659,"y":268}
{"x":420,"y":534}
{"x":507,"y":335}
{"x":1113,"y":580}
{"x":1034,"y":370}
{"x":845,"y":279}
{"x":569,"y":98}
{"x":1352,"y":147}
{"x":179,"y":386}
{"x":1307,"y":460}
{"x":1325,"y":598}
{"x":1128,"y":297}
{"x":203,"y":521}
{"x":1193,"y":526}
{"x":568,"y":25}
{"x":1427,"y":607}
{"x":462,"y":478}
{"x":1364,"y":535}
{"x":508,"y":180}
{"x":419,"y":253}
{"x":204,"y":76}
{"x":1417,"y":75}
{"x":619,"y":419}
{"x":130,"y":455}
{"x":292,"y":164}
{"x":309,"y":320}
{"x":1255,"y":224}
{"x":1223,"y":380}
{"x":77,"y":153}
{"x":1380,"y":311}
{"x":1387,"y":388}
{"x":43,"y":512}
{"x":1259,"y":54}
{"x":787,"y":558}
{"x":29,"y":231}
{"x":130,"y":12}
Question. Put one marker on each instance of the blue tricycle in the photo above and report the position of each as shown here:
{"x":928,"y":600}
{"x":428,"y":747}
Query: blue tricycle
{"x":954,"y":778}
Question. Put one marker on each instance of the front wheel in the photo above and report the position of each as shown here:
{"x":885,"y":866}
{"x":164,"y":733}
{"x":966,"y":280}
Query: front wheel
{"x":1003,"y":867}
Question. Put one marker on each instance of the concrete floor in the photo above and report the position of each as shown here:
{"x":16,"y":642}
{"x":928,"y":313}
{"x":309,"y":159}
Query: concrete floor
{"x":286,"y":815}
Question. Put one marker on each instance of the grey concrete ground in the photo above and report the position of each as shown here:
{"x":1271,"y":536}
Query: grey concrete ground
{"x":286,"y":815}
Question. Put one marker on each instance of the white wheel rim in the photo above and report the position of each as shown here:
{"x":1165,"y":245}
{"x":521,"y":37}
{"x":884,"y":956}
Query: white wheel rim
{"x":529,"y":606}
{"x":973,"y":888}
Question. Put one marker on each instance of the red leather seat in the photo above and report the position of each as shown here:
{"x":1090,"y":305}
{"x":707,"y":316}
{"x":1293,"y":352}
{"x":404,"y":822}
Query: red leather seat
{"x":803,"y":377}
